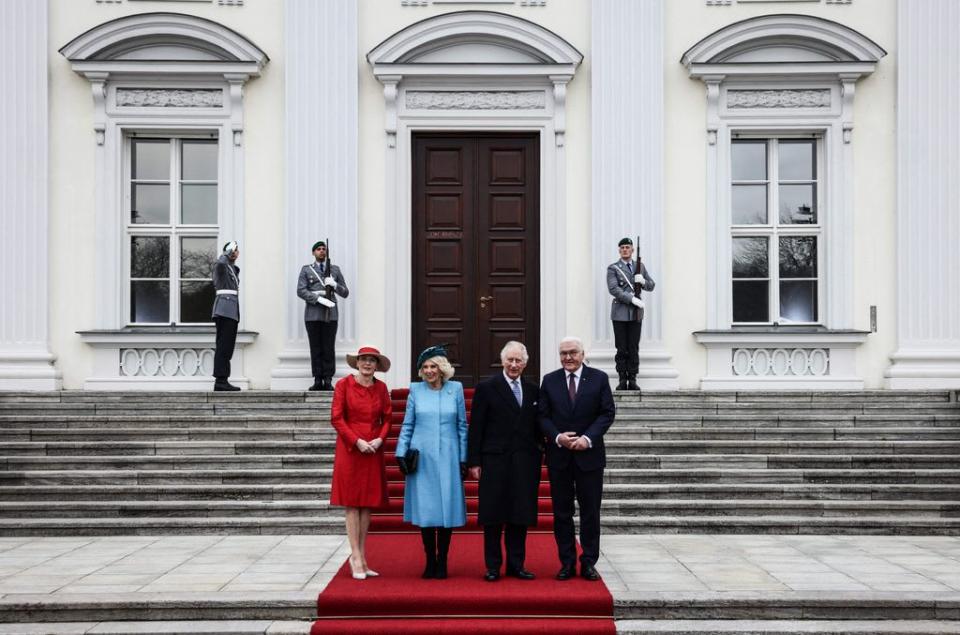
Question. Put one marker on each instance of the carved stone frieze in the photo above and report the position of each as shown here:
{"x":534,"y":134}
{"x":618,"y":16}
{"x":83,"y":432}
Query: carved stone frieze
{"x":476,"y":100}
{"x":780,"y":98}
{"x":169,"y":98}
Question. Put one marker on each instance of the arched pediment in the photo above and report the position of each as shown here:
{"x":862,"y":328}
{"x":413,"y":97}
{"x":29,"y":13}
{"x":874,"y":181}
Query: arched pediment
{"x":783,"y":38}
{"x":475,"y":37}
{"x":163,"y":38}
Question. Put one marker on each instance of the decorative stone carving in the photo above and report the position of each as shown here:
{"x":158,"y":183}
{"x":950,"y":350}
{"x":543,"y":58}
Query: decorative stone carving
{"x":476,"y":100}
{"x":781,"y":362}
{"x":166,"y":362}
{"x":784,"y":98}
{"x":169,"y":98}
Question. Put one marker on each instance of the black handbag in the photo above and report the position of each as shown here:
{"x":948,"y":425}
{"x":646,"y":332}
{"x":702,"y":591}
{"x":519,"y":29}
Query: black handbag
{"x":408,"y":462}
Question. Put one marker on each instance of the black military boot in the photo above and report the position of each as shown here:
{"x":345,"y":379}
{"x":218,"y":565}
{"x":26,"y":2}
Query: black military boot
{"x":632,"y":383}
{"x":317,"y":384}
{"x":326,"y":385}
{"x":221,"y":384}
{"x":623,"y":383}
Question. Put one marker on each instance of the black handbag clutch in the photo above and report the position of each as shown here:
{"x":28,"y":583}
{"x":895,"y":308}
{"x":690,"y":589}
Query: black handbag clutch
{"x":408,"y":462}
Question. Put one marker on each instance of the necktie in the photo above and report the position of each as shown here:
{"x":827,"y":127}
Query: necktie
{"x":572,"y":387}
{"x":630,"y":267}
{"x":515,"y":385}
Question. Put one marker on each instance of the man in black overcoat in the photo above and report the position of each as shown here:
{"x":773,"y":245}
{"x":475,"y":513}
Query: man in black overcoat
{"x":504,"y":453}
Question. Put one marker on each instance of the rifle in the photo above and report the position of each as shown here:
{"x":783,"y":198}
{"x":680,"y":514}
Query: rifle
{"x":637,"y":287}
{"x":328,"y":290}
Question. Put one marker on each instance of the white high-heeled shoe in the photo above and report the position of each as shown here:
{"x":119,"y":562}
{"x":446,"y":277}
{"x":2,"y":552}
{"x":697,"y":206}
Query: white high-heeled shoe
{"x":359,"y":576}
{"x":371,"y":573}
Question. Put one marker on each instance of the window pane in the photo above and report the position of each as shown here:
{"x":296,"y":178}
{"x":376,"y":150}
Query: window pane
{"x":798,"y":204}
{"x":750,"y":301}
{"x":149,"y":257}
{"x":797,"y":161}
{"x":196,"y":301}
{"x":749,"y":204}
{"x":150,"y":301}
{"x":798,"y":300}
{"x":749,"y":160}
{"x":798,"y":257}
{"x":199,"y":161}
{"x":750,"y":257}
{"x":199,"y":204}
{"x":150,"y":204}
{"x":197,"y":255}
{"x":151,"y":159}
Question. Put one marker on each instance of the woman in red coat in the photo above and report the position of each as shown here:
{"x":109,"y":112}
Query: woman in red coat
{"x":361,"y":416}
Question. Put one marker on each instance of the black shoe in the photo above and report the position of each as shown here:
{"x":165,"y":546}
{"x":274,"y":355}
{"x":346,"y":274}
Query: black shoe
{"x":326,"y":385}
{"x":565,"y":573}
{"x":521,"y":573}
{"x":587,"y":572}
{"x":224,"y":386}
{"x":492,"y":575}
{"x":623,"y":383}
{"x":317,"y":385}
{"x":632,"y":384}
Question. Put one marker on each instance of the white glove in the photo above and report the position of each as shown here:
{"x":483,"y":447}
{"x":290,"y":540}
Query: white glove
{"x":325,"y":302}
{"x":329,"y":281}
{"x":639,"y":279}
{"x":637,"y":302}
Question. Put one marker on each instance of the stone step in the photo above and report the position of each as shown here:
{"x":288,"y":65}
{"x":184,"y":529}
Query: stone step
{"x":325,"y":432}
{"x":611,"y":475}
{"x":613,"y":507}
{"x":788,"y":627}
{"x":781,"y":524}
{"x":613,"y":445}
{"x":278,"y":525}
{"x":782,"y":461}
{"x":615,"y":491}
{"x":165,"y":627}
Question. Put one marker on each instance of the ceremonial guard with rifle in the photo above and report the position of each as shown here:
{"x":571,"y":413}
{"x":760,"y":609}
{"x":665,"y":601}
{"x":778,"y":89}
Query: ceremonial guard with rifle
{"x":318,"y":286}
{"x":226,"y":313}
{"x":626,"y":279}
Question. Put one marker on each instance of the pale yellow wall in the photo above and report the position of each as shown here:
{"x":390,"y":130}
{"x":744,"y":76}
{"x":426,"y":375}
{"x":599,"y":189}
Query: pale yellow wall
{"x":688,"y":21}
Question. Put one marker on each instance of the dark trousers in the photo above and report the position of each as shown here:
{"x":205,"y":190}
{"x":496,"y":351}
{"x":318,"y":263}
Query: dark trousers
{"x":626,"y":337}
{"x":323,"y":339}
{"x":587,"y":487}
{"x":226,"y":340}
{"x":516,"y":543}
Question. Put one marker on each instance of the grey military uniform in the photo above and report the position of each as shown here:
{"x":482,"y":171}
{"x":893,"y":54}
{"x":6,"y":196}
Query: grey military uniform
{"x":226,"y":276}
{"x":310,"y":283}
{"x":620,"y":285}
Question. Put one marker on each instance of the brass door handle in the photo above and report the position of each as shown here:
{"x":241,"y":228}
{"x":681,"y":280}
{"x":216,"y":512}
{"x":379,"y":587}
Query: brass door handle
{"x":484,"y":299}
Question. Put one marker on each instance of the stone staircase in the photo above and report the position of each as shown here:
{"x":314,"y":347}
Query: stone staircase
{"x":881,"y":462}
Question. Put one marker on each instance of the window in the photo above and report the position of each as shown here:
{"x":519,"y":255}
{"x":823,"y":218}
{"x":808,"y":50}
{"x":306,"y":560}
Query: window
{"x":172,"y":223}
{"x":775,"y":230}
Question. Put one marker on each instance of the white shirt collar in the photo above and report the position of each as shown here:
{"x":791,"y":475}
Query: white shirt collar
{"x":510,"y":381}
{"x":575,"y":373}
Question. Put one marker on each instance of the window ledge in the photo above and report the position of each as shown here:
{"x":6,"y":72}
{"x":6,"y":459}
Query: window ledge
{"x":159,"y":336}
{"x":808,"y":335}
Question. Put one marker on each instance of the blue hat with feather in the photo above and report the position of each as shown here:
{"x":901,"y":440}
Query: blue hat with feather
{"x":438,"y":350}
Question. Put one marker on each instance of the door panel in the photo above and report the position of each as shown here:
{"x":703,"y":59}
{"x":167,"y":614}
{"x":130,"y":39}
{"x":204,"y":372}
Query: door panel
{"x":475,"y":263}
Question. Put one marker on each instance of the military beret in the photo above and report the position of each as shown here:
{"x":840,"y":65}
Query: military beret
{"x":317,"y":244}
{"x":624,"y":241}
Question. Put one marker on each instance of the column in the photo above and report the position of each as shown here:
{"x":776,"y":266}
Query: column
{"x":321,"y":166}
{"x":928,"y":197}
{"x":26,"y":362}
{"x":627,"y":179}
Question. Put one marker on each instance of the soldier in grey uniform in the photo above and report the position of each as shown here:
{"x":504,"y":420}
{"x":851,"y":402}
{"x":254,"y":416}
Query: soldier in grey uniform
{"x":626,"y":312}
{"x":226,"y":313}
{"x":320,"y":313}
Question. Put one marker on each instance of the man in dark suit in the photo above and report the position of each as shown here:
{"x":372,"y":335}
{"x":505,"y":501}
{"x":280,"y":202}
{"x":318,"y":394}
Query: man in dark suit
{"x":504,"y":453}
{"x":576,"y":409}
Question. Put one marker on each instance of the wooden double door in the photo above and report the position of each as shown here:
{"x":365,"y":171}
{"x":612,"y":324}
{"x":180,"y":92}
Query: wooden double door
{"x":476,"y":236}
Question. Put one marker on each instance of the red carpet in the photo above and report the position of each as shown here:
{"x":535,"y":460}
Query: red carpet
{"x":399,"y":601}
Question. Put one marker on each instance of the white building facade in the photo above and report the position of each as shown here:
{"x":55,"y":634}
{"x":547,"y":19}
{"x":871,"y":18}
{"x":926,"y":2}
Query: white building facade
{"x":789,"y":168}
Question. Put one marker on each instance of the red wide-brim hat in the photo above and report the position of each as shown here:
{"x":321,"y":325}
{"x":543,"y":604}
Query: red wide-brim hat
{"x":383,"y":362}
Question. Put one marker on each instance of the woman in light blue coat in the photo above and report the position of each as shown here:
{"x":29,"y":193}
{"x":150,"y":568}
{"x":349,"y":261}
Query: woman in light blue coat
{"x":435,"y":424}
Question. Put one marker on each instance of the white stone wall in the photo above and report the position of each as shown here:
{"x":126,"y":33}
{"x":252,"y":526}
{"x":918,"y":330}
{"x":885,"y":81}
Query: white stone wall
{"x":267,"y":286}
